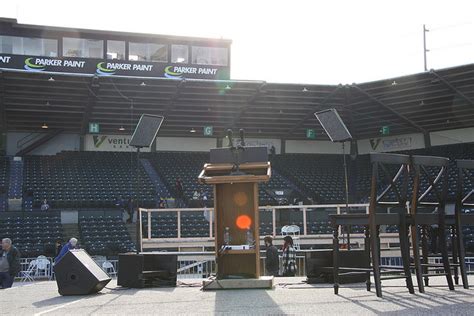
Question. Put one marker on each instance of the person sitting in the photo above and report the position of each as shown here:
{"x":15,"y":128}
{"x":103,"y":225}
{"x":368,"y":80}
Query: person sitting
{"x":9,"y":263}
{"x":289,"y":257}
{"x":45,"y":205}
{"x":72,"y":244}
{"x":272,"y":261}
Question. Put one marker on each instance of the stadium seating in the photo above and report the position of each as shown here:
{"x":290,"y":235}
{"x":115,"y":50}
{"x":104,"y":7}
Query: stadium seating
{"x":187,"y":166}
{"x":33,"y":235}
{"x":321,"y":177}
{"x":86,"y":179}
{"x":3,"y":182}
{"x":104,"y":235}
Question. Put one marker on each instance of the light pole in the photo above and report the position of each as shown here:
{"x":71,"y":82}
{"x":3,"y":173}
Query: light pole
{"x":425,"y":30}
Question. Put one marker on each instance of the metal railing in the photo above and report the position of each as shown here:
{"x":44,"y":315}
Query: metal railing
{"x":336,"y":208}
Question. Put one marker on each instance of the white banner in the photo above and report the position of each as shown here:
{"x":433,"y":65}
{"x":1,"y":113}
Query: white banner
{"x":391,"y":143}
{"x":254,"y":142}
{"x":102,"y":142}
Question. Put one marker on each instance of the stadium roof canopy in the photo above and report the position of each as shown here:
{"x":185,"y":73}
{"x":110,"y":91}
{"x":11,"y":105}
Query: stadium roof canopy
{"x":424,"y":102}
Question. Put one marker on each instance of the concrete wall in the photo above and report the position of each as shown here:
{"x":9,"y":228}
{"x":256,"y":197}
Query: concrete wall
{"x":315,"y":147}
{"x":454,"y":136}
{"x":185,"y":143}
{"x":57,"y":144}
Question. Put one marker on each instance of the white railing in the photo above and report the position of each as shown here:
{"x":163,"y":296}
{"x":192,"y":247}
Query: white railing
{"x":338,"y":208}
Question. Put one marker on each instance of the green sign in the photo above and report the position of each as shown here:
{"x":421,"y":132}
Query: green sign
{"x":208,"y":130}
{"x":385,"y":130}
{"x":94,"y":128}
{"x":310,"y":133}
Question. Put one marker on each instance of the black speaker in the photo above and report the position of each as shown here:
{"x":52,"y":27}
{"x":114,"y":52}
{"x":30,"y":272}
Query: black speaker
{"x":146,"y":130}
{"x":147,"y":270}
{"x":319,"y":266}
{"x":333,"y":125}
{"x":78,"y":274}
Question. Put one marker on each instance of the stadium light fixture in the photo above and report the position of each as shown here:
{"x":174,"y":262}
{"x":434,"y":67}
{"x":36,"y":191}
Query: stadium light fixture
{"x":228,"y":87}
{"x":44,"y":126}
{"x":51,"y":79}
{"x":143,"y":84}
{"x":47,"y":103}
{"x":394,"y":83}
{"x":192,"y":130}
{"x":121,"y":128}
{"x":305,"y":90}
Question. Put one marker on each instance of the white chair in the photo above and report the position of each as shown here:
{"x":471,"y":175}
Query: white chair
{"x":28,"y":274}
{"x":43,"y":267}
{"x":109,"y":268}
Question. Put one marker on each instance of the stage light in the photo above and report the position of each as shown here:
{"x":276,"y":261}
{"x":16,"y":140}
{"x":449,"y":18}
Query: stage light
{"x":243,"y":222}
{"x":44,"y":126}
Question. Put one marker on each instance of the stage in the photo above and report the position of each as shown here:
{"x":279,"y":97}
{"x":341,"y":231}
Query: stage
{"x":290,"y":296}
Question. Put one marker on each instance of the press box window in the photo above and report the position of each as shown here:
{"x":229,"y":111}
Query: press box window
{"x":81,"y":47}
{"x":28,"y":46}
{"x":210,"y":56}
{"x":179,"y":53}
{"x":147,"y":52}
{"x":115,"y":50}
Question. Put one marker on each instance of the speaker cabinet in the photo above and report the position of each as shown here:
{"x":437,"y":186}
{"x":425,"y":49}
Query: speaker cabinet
{"x":147,"y":270}
{"x":78,"y":274}
{"x":319,"y":266}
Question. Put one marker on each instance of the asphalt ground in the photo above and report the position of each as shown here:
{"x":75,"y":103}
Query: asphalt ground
{"x":290,"y":296}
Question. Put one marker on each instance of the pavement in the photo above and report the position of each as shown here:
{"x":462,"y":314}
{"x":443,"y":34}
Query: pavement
{"x":291,"y":296}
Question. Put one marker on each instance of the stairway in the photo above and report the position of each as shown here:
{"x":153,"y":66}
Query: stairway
{"x":160,"y":188}
{"x":132,"y":230}
{"x":71,"y":230}
{"x":15,"y":184}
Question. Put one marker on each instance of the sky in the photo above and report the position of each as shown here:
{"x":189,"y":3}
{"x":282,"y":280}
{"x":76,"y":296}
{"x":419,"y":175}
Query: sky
{"x":313,"y":42}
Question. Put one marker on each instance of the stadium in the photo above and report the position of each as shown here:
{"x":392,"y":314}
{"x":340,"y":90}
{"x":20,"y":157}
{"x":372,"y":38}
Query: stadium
{"x":71,"y":99}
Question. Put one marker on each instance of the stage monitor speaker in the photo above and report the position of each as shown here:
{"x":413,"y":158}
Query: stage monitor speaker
{"x":146,"y":130}
{"x":319,"y":266}
{"x":147,"y":270}
{"x":333,"y":125}
{"x":78,"y":274}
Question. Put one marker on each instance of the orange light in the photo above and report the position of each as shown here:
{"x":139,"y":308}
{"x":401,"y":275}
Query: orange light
{"x":243,"y":222}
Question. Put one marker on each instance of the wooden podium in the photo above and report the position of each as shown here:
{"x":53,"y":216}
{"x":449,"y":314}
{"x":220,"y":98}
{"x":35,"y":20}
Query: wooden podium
{"x":236,"y":208}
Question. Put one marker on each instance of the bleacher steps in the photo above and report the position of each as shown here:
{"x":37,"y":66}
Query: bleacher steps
{"x":71,"y":230}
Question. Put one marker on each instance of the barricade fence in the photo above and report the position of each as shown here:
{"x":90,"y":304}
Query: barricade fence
{"x":188,"y":267}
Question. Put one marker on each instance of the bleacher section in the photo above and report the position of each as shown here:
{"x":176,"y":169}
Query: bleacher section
{"x":104,"y":235}
{"x":86,"y":179}
{"x":320,"y":177}
{"x":187,"y":166}
{"x":4,"y":161}
{"x":94,"y":180}
{"x":33,"y":235}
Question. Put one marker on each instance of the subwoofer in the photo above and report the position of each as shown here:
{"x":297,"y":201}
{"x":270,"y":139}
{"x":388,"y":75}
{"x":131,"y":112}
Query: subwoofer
{"x":147,"y":270}
{"x":78,"y":274}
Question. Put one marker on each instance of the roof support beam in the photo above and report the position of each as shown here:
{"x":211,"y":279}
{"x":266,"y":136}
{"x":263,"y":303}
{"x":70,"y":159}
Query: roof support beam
{"x":450,"y":86}
{"x":91,"y":101}
{"x":311,"y":112}
{"x":388,"y":108}
{"x":174,"y":98}
{"x":251,"y":100}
